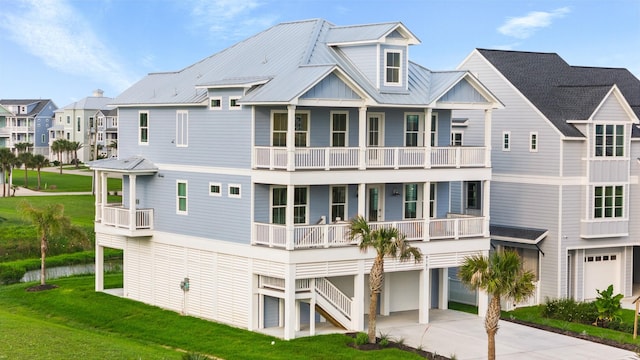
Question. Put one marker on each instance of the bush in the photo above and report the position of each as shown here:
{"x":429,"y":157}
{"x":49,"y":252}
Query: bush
{"x":570,"y":310}
{"x":362,"y":338}
{"x":11,"y":273}
{"x":55,"y":163}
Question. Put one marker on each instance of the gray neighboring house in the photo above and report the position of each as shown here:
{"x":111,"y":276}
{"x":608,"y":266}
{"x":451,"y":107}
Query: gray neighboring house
{"x":26,"y":120}
{"x":240,"y":172}
{"x":565,"y":155}
{"x":104,"y":133}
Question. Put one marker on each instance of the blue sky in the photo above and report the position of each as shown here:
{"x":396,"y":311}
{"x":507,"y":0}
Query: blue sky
{"x":64,"y":49}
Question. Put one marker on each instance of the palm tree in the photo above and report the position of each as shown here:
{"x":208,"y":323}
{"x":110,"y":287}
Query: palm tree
{"x":7,"y":161}
{"x":58,"y":147}
{"x":23,"y":147}
{"x":26,"y":158}
{"x":388,"y":242}
{"x":48,"y":221}
{"x":500,"y":275}
{"x":38,"y":162}
{"x":75,"y":146}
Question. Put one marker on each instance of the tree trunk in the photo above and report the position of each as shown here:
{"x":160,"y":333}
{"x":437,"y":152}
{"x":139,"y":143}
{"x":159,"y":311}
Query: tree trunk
{"x":43,"y":255}
{"x":491,"y":325}
{"x":375,"y":284}
{"x":38,"y":179}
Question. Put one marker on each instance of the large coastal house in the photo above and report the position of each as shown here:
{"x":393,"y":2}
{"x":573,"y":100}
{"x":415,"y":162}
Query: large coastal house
{"x":76,"y":123}
{"x":565,"y":169}
{"x":26,"y":121}
{"x":241,"y":171}
{"x":104,"y":134}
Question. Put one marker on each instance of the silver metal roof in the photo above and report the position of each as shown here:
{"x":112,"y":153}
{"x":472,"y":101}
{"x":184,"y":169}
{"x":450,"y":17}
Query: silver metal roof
{"x":134,"y":164}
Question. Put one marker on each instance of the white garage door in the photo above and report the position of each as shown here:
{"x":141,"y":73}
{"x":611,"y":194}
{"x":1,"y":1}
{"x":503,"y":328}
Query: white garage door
{"x":601,"y":269}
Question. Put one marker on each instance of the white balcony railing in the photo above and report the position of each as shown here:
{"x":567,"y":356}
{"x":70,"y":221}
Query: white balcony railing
{"x":336,"y":235}
{"x":118,"y":216}
{"x":328,"y":158}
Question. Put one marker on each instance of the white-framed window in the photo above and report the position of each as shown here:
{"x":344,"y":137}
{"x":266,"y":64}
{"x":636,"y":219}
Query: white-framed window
{"x":181,"y":196}
{"x":338,"y":203}
{"x":215,"y":103}
{"x":456,"y":138}
{"x":506,"y":141}
{"x":609,"y":140}
{"x":100,"y":136}
{"x":413,"y":130}
{"x":412,"y":204}
{"x":68,"y":119}
{"x":114,"y":121}
{"x":100,"y":122}
{"x":473,"y":195}
{"x":339,"y":129}
{"x":233,"y":103}
{"x":392,"y":67}
{"x":279,"y":128}
{"x":42,"y":138}
{"x":608,"y":201}
{"x":233,"y":191}
{"x":215,"y":189}
{"x":182,"y":128}
{"x":68,"y":136}
{"x":279,"y":205}
{"x":434,"y":129}
{"x":78,"y":120}
{"x":432,"y":200}
{"x":533,"y":141}
{"x":143,"y":127}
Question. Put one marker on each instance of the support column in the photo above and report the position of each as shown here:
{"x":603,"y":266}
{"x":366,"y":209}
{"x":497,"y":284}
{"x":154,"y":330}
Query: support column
{"x":424,"y":296}
{"x":357,"y":310}
{"x":362,"y":195}
{"x":291,"y":137}
{"x":312,"y":309}
{"x":426,"y":212}
{"x":289,"y":217}
{"x":483,"y":297}
{"x":252,"y":312}
{"x":385,"y":296}
{"x":443,"y":289}
{"x":99,"y":271}
{"x":97,"y":176}
{"x":103,"y":191}
{"x":132,"y":202}
{"x":487,"y":137}
{"x":290,"y":302}
{"x":427,"y":141}
{"x":486,"y":196}
{"x":362,"y":137}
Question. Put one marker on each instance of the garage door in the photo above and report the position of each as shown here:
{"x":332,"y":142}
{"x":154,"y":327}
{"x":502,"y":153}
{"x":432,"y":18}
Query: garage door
{"x":601,"y":269}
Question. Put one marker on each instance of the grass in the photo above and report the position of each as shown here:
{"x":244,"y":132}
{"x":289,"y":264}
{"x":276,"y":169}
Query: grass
{"x":75,"y":317}
{"x":62,"y":183}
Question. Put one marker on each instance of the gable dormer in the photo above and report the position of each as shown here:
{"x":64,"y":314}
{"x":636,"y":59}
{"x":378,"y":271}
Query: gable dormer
{"x":379,"y":51}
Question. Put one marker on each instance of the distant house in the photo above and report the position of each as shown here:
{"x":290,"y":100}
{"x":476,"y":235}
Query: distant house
{"x":241,"y":171}
{"x":105,"y":133}
{"x":565,"y":170}
{"x":26,"y":121}
{"x":75,"y":122}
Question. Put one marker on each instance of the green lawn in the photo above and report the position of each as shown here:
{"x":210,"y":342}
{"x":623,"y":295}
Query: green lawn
{"x":55,"y":182}
{"x":73,"y":321}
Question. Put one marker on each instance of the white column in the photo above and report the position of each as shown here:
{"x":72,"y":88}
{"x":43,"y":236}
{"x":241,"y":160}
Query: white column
{"x":486,"y":198}
{"x":362,"y":195}
{"x":483,"y":297}
{"x":289,"y":217}
{"x":291,"y":137}
{"x":427,"y":136}
{"x":132,"y":202}
{"x":357,"y":311}
{"x":385,"y":296}
{"x":103,"y":192}
{"x":425,"y":295}
{"x":426,"y":205}
{"x":443,"y":289}
{"x":487,"y":137}
{"x":290,"y":302}
{"x":297,"y":311}
{"x":312,"y":309}
{"x":362,"y":136}
{"x":97,"y":187}
{"x":252,"y":312}
{"x":99,"y":271}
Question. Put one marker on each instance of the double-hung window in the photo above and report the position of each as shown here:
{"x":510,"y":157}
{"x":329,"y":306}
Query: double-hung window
{"x":181,"y":197}
{"x":412,"y":130}
{"x":411,"y":201}
{"x":143,"y":127}
{"x":608,"y":201}
{"x":609,"y":140}
{"x":473,"y":195}
{"x":279,"y":205}
{"x":339,"y":126}
{"x":338,"y":203}
{"x":279,"y":129}
{"x":392,"y":66}
{"x":182,"y":128}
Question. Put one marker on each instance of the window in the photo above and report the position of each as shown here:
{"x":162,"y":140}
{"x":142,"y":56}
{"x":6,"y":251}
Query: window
{"x":100,"y":122}
{"x":432,"y":200}
{"x":473,"y":195}
{"x":215,"y":103}
{"x":234,"y":191}
{"x":215,"y":189}
{"x":91,"y":123}
{"x":143,"y":128}
{"x":393,"y":59}
{"x":68,"y":119}
{"x":279,"y":129}
{"x":233,"y":103}
{"x":114,"y":121}
{"x":182,"y":128}
{"x":279,"y":205}
{"x":181,"y":203}
{"x":609,"y":140}
{"x":339,"y":125}
{"x":68,"y":136}
{"x":456,"y":138}
{"x":78,"y":123}
{"x":100,"y":136}
{"x":434,"y":129}
{"x":608,"y":201}
{"x":42,"y":138}
{"x":506,"y":141}
{"x":533,"y":142}
{"x":412,"y":130}
{"x":411,"y":201}
{"x":338,"y":203}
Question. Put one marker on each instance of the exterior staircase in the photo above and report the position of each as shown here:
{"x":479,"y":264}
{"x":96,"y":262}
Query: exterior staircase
{"x":333,"y":304}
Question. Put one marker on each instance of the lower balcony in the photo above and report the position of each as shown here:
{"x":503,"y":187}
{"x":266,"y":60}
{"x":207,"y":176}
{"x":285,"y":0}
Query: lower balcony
{"x":455,"y":226}
{"x":136,"y":222}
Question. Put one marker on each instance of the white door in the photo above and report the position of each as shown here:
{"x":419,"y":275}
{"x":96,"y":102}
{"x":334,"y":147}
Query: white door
{"x":375,"y":202}
{"x":601,"y":269}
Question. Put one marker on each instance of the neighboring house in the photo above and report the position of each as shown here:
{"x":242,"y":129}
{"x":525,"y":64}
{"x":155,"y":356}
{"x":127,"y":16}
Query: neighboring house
{"x":105,"y":133}
{"x":26,"y":120}
{"x":241,"y":171}
{"x":565,"y":170}
{"x":75,"y":122}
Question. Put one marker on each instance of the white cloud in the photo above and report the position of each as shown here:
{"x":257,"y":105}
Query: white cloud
{"x":230,"y":19}
{"x":524,"y":26}
{"x":55,"y":32}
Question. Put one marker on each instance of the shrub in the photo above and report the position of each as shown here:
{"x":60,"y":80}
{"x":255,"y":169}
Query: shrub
{"x":11,"y":273}
{"x":362,"y":338}
{"x":570,"y":310}
{"x":195,"y":356}
{"x":608,"y":306}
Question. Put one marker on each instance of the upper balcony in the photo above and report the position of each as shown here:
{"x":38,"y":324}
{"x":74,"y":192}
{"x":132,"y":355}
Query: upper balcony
{"x":132,"y":222}
{"x":329,"y":158}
